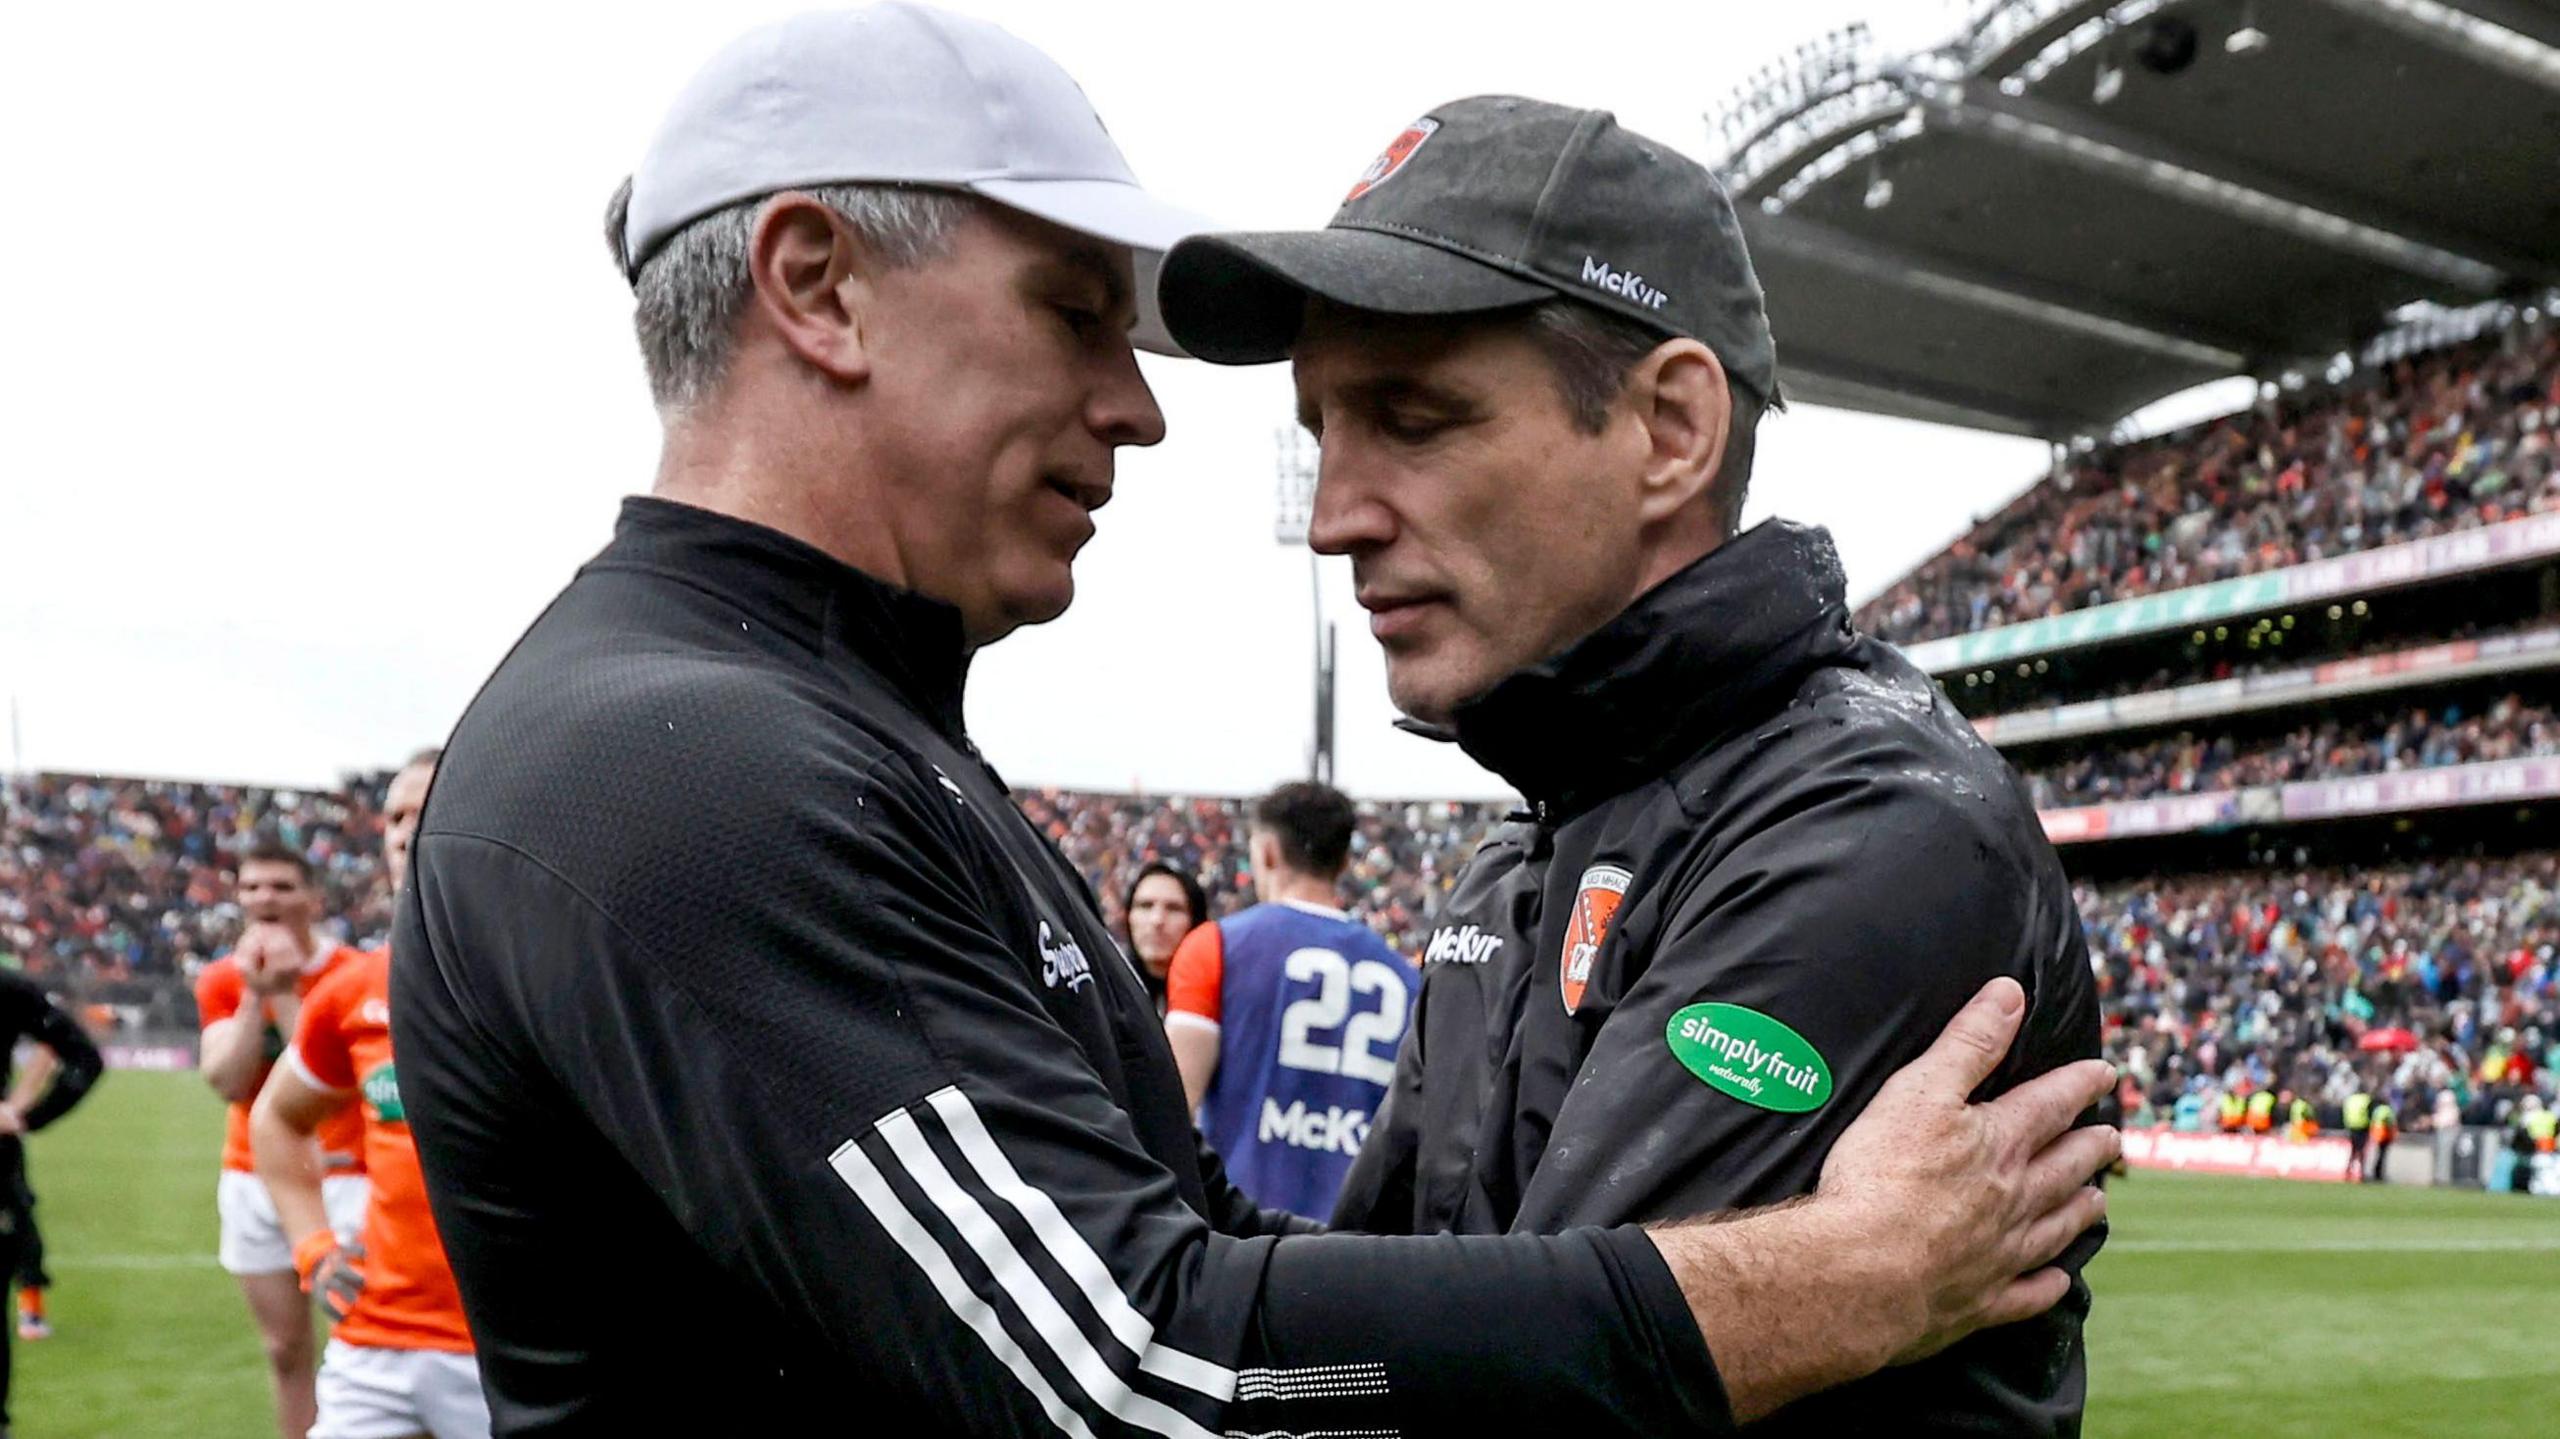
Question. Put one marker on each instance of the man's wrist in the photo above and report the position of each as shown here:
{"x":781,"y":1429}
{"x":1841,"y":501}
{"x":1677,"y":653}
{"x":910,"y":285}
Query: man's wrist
{"x":1751,"y":1279}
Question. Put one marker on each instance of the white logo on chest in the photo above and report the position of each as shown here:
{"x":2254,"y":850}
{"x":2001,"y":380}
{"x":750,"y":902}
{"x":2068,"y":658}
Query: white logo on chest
{"x":1468,"y":944}
{"x":1062,"y":961}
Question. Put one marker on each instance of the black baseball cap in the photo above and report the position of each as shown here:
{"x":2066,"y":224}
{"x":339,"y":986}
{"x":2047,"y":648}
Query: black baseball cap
{"x":1484,"y":204}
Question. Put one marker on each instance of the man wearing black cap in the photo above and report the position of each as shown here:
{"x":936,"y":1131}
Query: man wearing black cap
{"x":728,"y":981}
{"x":1763,"y":859}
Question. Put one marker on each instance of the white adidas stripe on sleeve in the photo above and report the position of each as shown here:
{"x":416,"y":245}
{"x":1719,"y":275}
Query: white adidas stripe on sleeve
{"x":872,"y":1187}
{"x":1028,"y":1290}
{"x":1072,"y":1254}
{"x":1048,"y":1310}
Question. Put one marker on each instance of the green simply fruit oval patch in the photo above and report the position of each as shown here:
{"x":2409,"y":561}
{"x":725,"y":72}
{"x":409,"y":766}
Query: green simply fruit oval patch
{"x":1750,"y":1056}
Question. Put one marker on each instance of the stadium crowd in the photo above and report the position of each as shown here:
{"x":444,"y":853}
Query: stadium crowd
{"x":2435,"y":984}
{"x":2449,"y":440}
{"x":121,"y":885}
{"x":2384,"y":741}
{"x":2227,"y":980}
{"x":1404,"y":856}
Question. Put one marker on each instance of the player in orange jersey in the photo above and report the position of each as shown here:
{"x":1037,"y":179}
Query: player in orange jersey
{"x":400,"y":1361}
{"x":248,"y":1001}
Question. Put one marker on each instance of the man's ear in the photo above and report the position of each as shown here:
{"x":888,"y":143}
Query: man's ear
{"x":813,"y":281}
{"x":1682,"y":401}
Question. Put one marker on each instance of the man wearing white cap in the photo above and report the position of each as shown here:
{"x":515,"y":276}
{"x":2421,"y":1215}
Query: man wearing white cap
{"x":728,"y":981}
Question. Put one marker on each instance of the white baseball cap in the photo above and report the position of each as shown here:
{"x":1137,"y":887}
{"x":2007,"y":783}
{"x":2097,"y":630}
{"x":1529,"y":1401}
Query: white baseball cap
{"x":899,"y":93}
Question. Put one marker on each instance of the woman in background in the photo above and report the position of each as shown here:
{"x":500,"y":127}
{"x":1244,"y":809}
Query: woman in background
{"x":1164,"y":904}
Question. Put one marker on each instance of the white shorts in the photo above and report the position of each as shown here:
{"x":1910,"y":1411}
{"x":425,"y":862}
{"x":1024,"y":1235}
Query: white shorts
{"x":370,"y":1393}
{"x":253,"y":1239}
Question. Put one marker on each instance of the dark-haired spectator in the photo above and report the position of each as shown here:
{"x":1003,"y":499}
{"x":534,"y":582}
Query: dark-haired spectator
{"x":1164,"y":904}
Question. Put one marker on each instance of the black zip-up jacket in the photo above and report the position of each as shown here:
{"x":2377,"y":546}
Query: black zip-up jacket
{"x":1765,"y":863}
{"x":25,"y":1013}
{"x":772,"y":1075}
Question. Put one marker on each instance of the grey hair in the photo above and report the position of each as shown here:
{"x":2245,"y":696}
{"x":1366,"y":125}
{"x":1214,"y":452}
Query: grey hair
{"x":1592,"y":351}
{"x":691,"y":292}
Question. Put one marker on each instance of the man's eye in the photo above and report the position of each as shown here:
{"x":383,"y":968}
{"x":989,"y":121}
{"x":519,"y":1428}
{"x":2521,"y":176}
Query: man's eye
{"x":1080,"y":320}
{"x":1412,"y":429}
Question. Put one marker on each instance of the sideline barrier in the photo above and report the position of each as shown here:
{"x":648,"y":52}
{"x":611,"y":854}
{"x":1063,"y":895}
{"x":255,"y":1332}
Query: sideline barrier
{"x":2479,"y":1156}
{"x":2390,"y":792}
{"x":2312,"y":1159}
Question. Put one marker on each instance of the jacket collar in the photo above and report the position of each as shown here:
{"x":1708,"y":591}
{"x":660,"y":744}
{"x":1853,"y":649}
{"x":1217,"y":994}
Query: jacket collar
{"x":1706,"y":652}
{"x":914,"y":642}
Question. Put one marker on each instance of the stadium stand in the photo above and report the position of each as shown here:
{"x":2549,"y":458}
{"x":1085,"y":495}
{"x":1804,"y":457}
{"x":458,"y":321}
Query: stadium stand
{"x":2449,"y":441}
{"x":2303,"y":817}
{"x":2386,"y":741}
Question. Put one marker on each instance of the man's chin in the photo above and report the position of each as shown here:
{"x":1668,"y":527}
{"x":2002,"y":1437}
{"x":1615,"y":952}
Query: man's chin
{"x":1422,"y":698}
{"x":1024,"y":610}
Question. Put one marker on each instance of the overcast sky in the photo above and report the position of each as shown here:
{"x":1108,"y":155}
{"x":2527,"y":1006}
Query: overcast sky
{"x":319,"y":382}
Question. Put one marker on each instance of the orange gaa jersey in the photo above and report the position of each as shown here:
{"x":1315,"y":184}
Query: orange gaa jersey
{"x":343,"y":1044}
{"x":220,"y":991}
{"x":1195,"y":981}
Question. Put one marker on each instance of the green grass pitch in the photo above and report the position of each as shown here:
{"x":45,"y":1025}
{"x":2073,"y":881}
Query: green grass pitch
{"x":2231,"y":1307}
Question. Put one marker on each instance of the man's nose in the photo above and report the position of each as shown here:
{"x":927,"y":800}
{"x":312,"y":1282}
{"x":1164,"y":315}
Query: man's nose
{"x":1124,"y":409}
{"x":1348,"y":516}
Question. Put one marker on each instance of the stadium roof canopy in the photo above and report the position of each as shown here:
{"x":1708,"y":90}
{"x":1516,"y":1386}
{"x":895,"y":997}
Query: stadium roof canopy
{"x":2073,"y":209}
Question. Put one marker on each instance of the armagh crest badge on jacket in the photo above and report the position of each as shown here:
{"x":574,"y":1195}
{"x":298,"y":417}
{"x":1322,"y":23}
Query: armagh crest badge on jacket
{"x":1595,"y":904}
